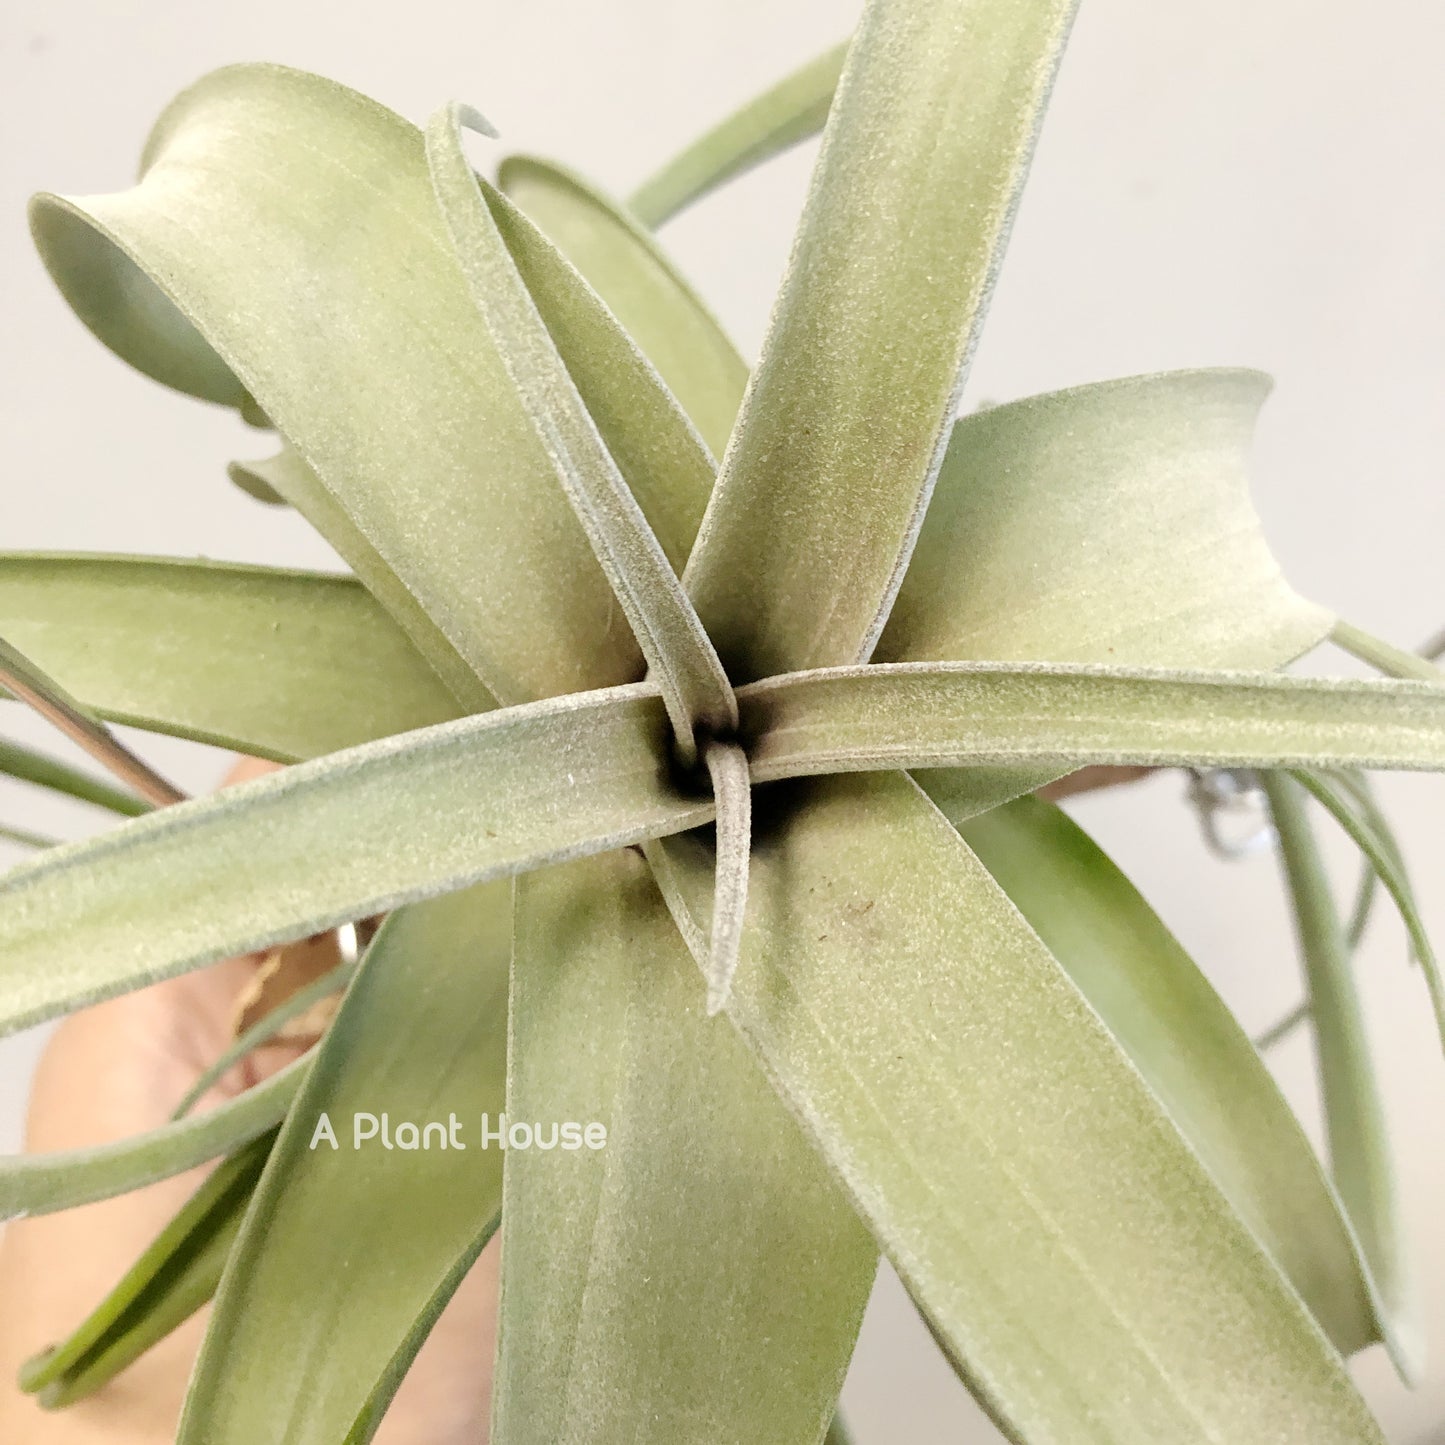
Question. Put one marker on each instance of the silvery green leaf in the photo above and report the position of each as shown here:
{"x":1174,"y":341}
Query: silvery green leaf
{"x":357,"y":339}
{"x":706,"y":1234}
{"x":680,"y":657}
{"x":1050,"y":720}
{"x":275,"y":663}
{"x":1108,"y":523}
{"x":825,"y":482}
{"x":781,"y":117}
{"x":645,"y":291}
{"x":288,"y":476}
{"x":349,"y":1254}
{"x":342,"y":837}
{"x":1359,"y":1146}
{"x":656,"y":447}
{"x":45,"y":1183}
{"x":1192,"y":1053}
{"x":1068,"y":1247}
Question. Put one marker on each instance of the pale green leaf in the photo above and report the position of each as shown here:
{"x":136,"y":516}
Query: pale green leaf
{"x":1069,"y":1249}
{"x":288,"y":476}
{"x":343,"y":837}
{"x":45,"y":1183}
{"x":1360,"y":1154}
{"x":24,"y":838}
{"x":1109,"y":523}
{"x":646,"y":293}
{"x":23,"y":679}
{"x":275,"y":663}
{"x":826,"y":480}
{"x":700,"y":1278}
{"x":292,"y":221}
{"x":680,"y":657}
{"x":1283,"y":1028}
{"x":941,"y":715}
{"x":653,"y":441}
{"x":781,"y":117}
{"x":727,"y":766}
{"x":177,"y":1274}
{"x":1385,"y":861}
{"x":1188,"y":1046}
{"x":29,"y":766}
{"x":250,"y":477}
{"x":345,"y":1252}
{"x":1384,"y":656}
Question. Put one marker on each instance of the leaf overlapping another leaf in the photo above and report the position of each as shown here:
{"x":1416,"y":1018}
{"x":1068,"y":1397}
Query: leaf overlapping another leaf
{"x":647,"y":294}
{"x":1041,"y":1206}
{"x":431,"y":456}
{"x":323,"y":1260}
{"x":680,"y":655}
{"x":339,"y":838}
{"x":1075,"y":1258}
{"x":275,"y":663}
{"x":707,"y":1202}
{"x":1361,"y":1158}
{"x":826,"y":478}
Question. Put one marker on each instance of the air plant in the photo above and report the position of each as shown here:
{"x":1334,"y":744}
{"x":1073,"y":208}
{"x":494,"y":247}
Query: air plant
{"x":700,"y":796}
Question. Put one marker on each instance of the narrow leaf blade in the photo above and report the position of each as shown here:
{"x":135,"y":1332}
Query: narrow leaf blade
{"x":27,"y":765}
{"x":1055,"y":719}
{"x":824,"y":486}
{"x":343,"y":1249}
{"x":1360,"y":1154}
{"x":680,"y":657}
{"x":340,"y":838}
{"x":45,"y":1183}
{"x":783,"y":116}
{"x":650,"y":298}
{"x":174,"y":1278}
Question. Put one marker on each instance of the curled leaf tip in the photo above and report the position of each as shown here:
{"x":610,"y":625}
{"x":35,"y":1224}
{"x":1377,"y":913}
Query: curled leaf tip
{"x":468,"y":117}
{"x":727,"y":766}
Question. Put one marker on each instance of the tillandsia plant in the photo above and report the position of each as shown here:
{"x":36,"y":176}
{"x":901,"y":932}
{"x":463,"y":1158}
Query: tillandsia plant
{"x":687,"y":727}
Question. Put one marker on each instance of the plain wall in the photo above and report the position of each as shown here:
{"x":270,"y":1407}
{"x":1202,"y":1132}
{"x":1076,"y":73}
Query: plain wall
{"x":1217,"y":183}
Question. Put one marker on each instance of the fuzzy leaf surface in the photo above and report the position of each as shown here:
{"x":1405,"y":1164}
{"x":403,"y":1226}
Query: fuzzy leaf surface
{"x":343,"y":837}
{"x":827,"y":477}
{"x":640,"y":284}
{"x":923,"y":715}
{"x":1069,"y":1249}
{"x":1188,"y":1046}
{"x":701,"y":1277}
{"x":275,"y":663}
{"x":292,"y":221}
{"x":343,"y":1252}
{"x":1108,"y":523}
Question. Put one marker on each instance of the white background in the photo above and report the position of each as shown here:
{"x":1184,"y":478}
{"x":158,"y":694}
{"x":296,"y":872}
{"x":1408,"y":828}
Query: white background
{"x":1223,"y":182}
